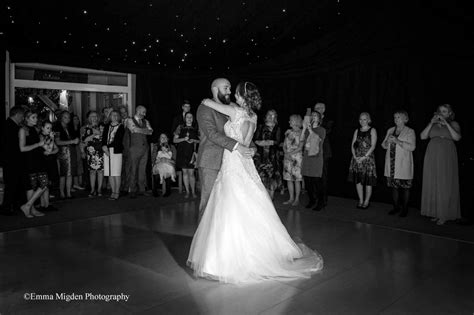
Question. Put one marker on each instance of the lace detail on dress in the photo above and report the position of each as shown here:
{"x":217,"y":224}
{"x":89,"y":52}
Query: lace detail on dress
{"x":232,"y":128}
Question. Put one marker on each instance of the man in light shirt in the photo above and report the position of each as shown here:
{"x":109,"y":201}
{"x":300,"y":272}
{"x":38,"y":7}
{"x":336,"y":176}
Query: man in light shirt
{"x":135,"y":140}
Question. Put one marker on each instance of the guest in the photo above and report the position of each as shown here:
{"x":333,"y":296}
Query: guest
{"x":125,"y":156}
{"x":180,"y":120}
{"x":36,"y":178}
{"x":440,"y":192}
{"x":293,"y":159}
{"x":50,"y":164}
{"x":137,"y":128}
{"x":186,"y":137}
{"x":12,"y":162}
{"x":327,"y":150}
{"x":312,"y":138}
{"x":105,"y":117}
{"x":362,"y":168}
{"x":91,"y":136}
{"x":399,"y":142}
{"x":112,"y":146}
{"x":77,"y":168}
{"x":267,"y":139}
{"x":64,"y":143}
{"x":164,"y":166}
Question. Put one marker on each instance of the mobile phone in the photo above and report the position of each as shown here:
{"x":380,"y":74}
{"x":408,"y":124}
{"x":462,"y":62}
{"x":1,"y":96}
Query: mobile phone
{"x":308,"y":111}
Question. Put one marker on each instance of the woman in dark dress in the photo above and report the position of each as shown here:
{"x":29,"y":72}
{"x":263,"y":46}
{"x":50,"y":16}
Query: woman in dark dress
{"x":35,"y":176}
{"x":362,"y":170}
{"x":186,"y":139}
{"x":267,"y":138}
{"x":440,"y":193}
{"x":64,"y":143}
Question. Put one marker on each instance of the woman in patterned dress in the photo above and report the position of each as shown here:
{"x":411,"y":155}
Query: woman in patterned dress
{"x":399,"y":142}
{"x":362,"y":168}
{"x":92,"y":138}
{"x":267,"y":138}
{"x":292,"y":160}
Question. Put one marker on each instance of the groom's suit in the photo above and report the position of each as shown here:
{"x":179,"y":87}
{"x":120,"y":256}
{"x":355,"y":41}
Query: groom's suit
{"x":213,"y":141}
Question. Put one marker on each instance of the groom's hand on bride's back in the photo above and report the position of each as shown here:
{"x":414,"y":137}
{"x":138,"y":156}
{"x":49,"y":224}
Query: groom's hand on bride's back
{"x":245,"y":151}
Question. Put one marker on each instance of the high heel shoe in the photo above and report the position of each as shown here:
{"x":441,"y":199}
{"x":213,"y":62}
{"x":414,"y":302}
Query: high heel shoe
{"x":366,"y":205}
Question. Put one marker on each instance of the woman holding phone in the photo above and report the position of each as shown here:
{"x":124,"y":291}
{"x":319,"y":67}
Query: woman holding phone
{"x":440,"y":193}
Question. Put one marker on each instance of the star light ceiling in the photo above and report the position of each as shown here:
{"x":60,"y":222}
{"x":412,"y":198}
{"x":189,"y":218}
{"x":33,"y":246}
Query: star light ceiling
{"x":172,"y":34}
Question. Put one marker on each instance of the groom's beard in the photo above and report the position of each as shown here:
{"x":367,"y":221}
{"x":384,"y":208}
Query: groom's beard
{"x":225,"y":99}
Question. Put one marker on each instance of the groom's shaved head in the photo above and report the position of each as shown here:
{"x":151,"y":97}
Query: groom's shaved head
{"x":219,"y":82}
{"x":220,"y":89}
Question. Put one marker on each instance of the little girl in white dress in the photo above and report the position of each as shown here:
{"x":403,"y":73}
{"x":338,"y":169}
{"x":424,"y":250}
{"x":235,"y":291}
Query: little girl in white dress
{"x":164,"y":165}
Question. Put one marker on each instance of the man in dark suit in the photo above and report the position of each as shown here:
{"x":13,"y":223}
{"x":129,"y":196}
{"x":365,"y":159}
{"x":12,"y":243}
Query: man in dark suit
{"x":213,"y":141}
{"x":12,"y":162}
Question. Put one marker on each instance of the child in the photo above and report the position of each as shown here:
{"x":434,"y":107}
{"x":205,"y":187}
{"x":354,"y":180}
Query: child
{"x":50,"y":149}
{"x":164,"y":165}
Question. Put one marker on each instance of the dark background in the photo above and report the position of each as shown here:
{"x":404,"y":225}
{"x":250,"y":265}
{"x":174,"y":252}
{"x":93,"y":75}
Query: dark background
{"x":365,"y":56}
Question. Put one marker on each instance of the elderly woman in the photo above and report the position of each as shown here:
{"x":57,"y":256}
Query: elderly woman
{"x":312,"y":139}
{"x":362,"y":169}
{"x":267,"y":138}
{"x":399,"y":142}
{"x":112,"y":146}
{"x":91,"y":135}
{"x":440,"y":193}
{"x":292,"y":160}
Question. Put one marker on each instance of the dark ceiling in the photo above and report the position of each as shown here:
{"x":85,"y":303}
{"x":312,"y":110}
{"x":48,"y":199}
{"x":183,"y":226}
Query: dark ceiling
{"x":199,"y":35}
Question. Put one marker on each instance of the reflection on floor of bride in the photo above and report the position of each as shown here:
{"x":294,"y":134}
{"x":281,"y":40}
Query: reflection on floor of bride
{"x":142,"y":254}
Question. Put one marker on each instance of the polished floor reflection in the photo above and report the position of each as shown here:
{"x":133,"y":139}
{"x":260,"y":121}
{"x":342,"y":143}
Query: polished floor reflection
{"x":142,"y":254}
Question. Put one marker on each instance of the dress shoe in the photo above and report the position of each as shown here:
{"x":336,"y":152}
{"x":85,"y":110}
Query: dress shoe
{"x":403,"y":214}
{"x":319,"y":207}
{"x":133,"y":195}
{"x":394,"y":211}
{"x":310,"y":204}
{"x":167,"y":193}
{"x":51,"y":208}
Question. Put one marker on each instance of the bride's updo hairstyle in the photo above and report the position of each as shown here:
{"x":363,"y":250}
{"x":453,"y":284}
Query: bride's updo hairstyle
{"x":251,"y":96}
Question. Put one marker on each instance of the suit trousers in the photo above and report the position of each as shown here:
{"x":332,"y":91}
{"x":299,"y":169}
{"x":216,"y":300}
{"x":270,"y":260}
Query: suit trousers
{"x":314,"y":188}
{"x":137,"y":171}
{"x":207,"y":178}
{"x":324,"y":180}
{"x":14,"y":192}
{"x":125,"y":178}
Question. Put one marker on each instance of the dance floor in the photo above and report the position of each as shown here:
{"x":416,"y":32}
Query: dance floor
{"x":140,"y":257}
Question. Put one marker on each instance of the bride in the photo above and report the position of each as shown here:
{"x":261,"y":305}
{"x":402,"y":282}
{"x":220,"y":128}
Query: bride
{"x":240,"y":238}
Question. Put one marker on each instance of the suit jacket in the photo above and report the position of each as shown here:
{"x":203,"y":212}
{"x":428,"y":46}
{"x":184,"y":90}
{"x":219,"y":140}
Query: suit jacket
{"x":213,"y":140}
{"x":11,"y":155}
{"x":403,"y":154}
{"x":117,"y":143}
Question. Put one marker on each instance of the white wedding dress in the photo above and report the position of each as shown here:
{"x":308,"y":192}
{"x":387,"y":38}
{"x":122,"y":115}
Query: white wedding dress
{"x":240,"y":238}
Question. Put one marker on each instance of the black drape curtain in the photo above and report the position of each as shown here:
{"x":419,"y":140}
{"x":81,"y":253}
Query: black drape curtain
{"x":379,"y":87}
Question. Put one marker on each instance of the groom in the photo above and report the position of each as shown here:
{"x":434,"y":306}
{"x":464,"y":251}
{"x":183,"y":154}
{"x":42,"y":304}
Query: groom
{"x":213,"y":141}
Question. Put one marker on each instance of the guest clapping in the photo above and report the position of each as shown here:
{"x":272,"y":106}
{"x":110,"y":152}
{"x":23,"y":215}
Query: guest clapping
{"x":362,"y":168}
{"x":92,"y":139}
{"x":186,"y":139}
{"x":440,"y":193}
{"x":293,"y":159}
{"x":399,"y":142}
{"x":312,"y":139}
{"x":112,"y":146}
